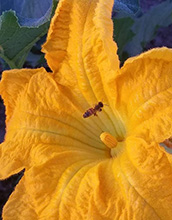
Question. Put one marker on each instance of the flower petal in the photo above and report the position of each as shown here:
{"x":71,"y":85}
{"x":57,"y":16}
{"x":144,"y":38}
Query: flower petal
{"x":81,"y":52}
{"x":43,"y":186}
{"x":46,"y":119}
{"x":79,"y":188}
{"x":149,"y":171}
{"x":81,"y":29}
{"x":77,"y":185}
{"x":12,"y":83}
{"x":12,"y":155}
{"x":144,"y":94}
{"x":20,"y":204}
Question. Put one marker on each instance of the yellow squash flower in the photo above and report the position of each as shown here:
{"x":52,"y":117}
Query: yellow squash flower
{"x":105,"y":167}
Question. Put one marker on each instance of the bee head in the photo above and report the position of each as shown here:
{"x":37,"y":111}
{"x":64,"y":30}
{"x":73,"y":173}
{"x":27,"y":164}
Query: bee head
{"x":100,"y":104}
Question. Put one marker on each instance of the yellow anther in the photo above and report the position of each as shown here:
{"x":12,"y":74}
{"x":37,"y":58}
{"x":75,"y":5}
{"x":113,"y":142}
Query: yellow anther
{"x":108,"y":140}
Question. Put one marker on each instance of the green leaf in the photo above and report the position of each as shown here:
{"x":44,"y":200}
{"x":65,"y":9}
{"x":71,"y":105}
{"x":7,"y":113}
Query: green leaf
{"x":55,"y":3}
{"x":32,"y":13}
{"x":122,"y":33}
{"x":145,"y":27}
{"x":16,"y":41}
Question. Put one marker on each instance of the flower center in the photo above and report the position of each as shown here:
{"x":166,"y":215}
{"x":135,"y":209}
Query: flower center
{"x":108,"y":140}
{"x":112,"y":143}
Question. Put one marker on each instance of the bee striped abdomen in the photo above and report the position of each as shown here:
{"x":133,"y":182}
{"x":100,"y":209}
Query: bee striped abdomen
{"x":89,"y":112}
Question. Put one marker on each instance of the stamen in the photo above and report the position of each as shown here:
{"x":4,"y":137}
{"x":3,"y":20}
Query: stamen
{"x":108,"y":140}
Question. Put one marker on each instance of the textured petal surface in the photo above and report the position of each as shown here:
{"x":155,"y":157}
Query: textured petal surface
{"x":79,"y":185}
{"x":69,"y":173}
{"x":143,"y":91}
{"x":12,"y":84}
{"x":43,"y":114}
{"x":149,"y":172}
{"x":80,"y":46}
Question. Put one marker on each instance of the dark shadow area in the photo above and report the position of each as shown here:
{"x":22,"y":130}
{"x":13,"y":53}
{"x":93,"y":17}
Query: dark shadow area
{"x":7,"y":187}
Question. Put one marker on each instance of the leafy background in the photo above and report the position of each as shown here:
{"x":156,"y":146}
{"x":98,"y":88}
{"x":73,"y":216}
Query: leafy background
{"x":139,"y":26}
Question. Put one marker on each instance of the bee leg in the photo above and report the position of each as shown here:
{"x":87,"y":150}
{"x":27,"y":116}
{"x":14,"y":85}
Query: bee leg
{"x":95,"y":114}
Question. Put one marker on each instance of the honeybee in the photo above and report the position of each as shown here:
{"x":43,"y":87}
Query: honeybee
{"x":93,"y":111}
